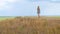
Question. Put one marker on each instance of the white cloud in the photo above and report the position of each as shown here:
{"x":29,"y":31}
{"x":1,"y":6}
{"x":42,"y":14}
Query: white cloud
{"x":3,"y":3}
{"x":52,"y":8}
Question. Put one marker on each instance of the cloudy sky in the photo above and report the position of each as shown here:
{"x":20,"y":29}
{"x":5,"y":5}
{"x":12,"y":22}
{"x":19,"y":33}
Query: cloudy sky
{"x":28,"y":7}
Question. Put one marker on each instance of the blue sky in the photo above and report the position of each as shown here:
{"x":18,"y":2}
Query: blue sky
{"x":28,"y":7}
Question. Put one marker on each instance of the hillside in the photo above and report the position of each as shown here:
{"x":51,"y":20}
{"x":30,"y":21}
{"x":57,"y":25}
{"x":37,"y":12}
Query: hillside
{"x":30,"y":25}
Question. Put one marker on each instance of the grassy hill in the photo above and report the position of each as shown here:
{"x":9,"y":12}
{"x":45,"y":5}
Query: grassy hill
{"x":30,"y":25}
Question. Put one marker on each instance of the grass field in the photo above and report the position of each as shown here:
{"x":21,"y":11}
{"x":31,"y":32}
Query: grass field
{"x":5,"y":17}
{"x":30,"y":25}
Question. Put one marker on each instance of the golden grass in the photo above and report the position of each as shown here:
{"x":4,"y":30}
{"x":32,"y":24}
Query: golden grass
{"x":22,"y":25}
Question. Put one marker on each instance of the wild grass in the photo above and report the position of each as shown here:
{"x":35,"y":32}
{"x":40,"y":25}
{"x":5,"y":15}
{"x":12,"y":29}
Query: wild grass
{"x":27,"y":25}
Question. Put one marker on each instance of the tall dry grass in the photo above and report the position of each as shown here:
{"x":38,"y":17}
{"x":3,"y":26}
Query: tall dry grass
{"x":22,"y":25}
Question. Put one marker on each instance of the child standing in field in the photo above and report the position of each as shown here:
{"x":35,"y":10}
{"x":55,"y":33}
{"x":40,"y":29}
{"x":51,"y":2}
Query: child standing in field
{"x":38,"y":11}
